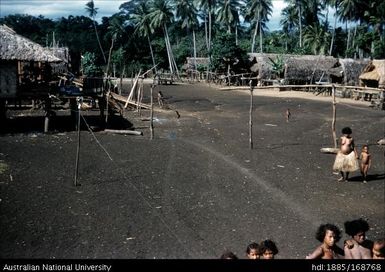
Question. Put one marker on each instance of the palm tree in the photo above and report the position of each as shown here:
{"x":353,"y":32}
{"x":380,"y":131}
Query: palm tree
{"x":187,"y":12}
{"x":141,"y":19}
{"x":209,"y":7}
{"x":161,"y":13}
{"x":298,"y":5}
{"x":92,"y":11}
{"x":316,"y":38}
{"x":228,"y":13}
{"x":258,"y":13}
{"x":334,"y":4}
{"x":115,"y":29}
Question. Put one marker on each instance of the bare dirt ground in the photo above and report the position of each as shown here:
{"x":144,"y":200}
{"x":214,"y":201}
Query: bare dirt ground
{"x":193,"y":191}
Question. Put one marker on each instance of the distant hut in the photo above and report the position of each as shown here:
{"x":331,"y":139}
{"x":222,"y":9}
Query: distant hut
{"x":374,"y":74}
{"x":23,"y":64}
{"x":199,"y":62}
{"x":347,"y":71}
{"x":308,"y":69}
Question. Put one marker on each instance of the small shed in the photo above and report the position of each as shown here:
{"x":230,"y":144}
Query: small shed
{"x":374,"y":74}
{"x":308,"y":69}
{"x":347,"y":71}
{"x":23,"y":64}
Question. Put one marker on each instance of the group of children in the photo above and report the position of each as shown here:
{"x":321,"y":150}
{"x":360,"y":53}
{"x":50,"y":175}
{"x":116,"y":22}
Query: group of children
{"x":267,"y":249}
{"x":357,"y":247}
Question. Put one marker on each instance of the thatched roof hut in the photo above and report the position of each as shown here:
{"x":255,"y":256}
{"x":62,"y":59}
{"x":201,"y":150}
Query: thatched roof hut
{"x":199,"y":62}
{"x":374,"y":74}
{"x":16,"y":47}
{"x":308,"y":69}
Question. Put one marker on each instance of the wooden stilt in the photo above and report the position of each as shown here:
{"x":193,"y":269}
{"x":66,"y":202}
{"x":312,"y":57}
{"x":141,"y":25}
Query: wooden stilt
{"x":78,"y":145}
{"x":152,"y":114}
{"x":334,"y":116}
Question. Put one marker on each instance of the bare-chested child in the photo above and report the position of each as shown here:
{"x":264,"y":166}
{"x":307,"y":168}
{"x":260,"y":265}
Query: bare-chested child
{"x":366,"y":161}
{"x":346,"y":159}
{"x":328,"y":235}
{"x":358,"y":247}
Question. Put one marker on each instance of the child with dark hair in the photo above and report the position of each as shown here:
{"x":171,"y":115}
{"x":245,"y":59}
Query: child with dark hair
{"x":328,"y":235}
{"x":228,"y":255}
{"x":358,"y":247}
{"x":268,"y":249}
{"x":253,"y":251}
{"x":366,"y":161}
{"x":346,"y":159}
{"x":379,"y":249}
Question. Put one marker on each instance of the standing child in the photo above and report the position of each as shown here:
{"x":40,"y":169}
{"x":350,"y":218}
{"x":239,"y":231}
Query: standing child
{"x":160,"y":99}
{"x":288,"y":115}
{"x":366,"y":161}
{"x":328,"y":235}
{"x":346,"y":159}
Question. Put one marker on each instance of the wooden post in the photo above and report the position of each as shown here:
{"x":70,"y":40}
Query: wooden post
{"x":251,"y":115}
{"x":334,"y":116}
{"x":79,"y":101}
{"x":152,"y":114}
{"x":47,"y":114}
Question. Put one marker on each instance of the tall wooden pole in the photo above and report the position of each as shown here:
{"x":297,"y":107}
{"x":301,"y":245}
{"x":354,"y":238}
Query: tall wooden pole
{"x":334,"y":116}
{"x":251,"y":116}
{"x":152,"y":114}
{"x":79,"y":100}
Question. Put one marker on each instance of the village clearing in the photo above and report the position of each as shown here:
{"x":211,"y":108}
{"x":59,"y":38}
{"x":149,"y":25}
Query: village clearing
{"x":197,"y":188}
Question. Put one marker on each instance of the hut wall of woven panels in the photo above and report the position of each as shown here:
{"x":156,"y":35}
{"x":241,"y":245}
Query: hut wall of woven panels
{"x":8,"y":79}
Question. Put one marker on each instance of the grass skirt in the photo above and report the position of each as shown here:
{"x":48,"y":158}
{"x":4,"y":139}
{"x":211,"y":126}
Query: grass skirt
{"x":346,"y":163}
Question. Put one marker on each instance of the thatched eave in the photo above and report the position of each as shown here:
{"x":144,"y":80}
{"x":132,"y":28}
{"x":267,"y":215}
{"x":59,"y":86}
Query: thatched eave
{"x":17,"y":47}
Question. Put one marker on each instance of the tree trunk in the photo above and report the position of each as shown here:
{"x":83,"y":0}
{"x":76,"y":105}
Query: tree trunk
{"x":100,"y":45}
{"x":333,"y":34}
{"x":300,"y":25}
{"x":152,"y":53}
{"x":260,"y":38}
{"x":254,"y":36}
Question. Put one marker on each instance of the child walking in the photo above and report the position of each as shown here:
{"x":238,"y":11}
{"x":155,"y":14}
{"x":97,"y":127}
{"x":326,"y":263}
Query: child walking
{"x":366,"y":161}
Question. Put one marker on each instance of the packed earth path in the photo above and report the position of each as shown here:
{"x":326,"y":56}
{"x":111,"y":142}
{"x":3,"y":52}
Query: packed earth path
{"x":197,"y":188}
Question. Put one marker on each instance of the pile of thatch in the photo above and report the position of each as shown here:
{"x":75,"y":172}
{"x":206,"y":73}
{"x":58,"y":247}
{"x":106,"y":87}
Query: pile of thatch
{"x":16,"y":47}
{"x":308,"y":69}
{"x":374,"y":73}
{"x":351,"y":70}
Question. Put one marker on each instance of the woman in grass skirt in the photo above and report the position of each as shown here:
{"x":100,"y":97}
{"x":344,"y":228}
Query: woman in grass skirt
{"x":346,"y":159}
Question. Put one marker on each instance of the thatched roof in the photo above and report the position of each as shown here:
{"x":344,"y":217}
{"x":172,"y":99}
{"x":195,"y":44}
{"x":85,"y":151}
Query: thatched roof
{"x":263,"y":64}
{"x":16,"y":47}
{"x":375,"y":71}
{"x":308,"y":68}
{"x":352,"y":69}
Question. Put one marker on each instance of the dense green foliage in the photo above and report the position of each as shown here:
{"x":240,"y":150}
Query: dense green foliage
{"x":223,"y":30}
